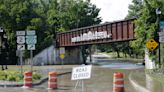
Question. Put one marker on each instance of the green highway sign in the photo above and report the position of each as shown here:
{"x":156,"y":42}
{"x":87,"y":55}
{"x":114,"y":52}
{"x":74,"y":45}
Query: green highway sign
{"x":31,"y":32}
{"x":31,"y":39}
{"x":161,"y":26}
{"x":31,"y":47}
{"x":161,"y":23}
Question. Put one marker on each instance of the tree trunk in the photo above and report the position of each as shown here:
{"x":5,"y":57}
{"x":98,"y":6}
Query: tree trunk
{"x":118,"y":54}
{"x":125,"y":55}
{"x":136,"y":55}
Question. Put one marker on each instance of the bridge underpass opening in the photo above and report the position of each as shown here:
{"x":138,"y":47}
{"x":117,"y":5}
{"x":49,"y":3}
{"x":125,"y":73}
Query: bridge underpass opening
{"x":75,"y":39}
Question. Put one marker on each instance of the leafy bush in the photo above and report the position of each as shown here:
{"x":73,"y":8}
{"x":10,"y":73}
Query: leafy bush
{"x":36,"y":76}
{"x":16,"y":76}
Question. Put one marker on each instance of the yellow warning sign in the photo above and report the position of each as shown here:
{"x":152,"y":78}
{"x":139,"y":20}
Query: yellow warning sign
{"x":62,"y":56}
{"x":151,"y":44}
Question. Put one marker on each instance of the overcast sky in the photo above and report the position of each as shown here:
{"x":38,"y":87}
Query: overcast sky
{"x":112,"y":10}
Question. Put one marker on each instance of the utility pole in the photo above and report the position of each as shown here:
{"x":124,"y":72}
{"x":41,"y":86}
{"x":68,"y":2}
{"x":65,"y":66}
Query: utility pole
{"x":158,"y":12}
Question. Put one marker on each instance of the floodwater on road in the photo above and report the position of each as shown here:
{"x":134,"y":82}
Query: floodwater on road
{"x":101,"y":80}
{"x":123,"y":66}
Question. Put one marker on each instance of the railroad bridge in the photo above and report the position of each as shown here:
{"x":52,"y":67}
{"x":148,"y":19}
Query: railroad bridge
{"x":97,"y":34}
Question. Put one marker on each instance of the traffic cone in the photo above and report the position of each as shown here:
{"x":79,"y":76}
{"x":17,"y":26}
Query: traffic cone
{"x":118,"y":82}
{"x":27,"y":79}
{"x":52,"y":81}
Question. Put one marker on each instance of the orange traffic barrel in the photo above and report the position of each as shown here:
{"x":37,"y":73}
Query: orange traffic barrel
{"x":118,"y":82}
{"x":52,"y":80}
{"x":27,"y":79}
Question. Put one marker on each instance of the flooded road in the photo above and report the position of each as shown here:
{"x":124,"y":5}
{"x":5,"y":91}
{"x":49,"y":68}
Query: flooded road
{"x":101,"y":80}
{"x":123,"y":66}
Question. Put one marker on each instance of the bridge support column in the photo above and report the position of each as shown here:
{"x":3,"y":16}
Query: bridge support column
{"x":149,"y":64}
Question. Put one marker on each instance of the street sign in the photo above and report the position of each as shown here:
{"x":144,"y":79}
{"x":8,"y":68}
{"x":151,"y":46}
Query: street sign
{"x":82,"y":72}
{"x":21,"y":39}
{"x":20,"y":33}
{"x":161,"y":39}
{"x":31,"y":32}
{"x":1,"y":29}
{"x":161,"y":26}
{"x":161,"y":34}
{"x":62,"y":56}
{"x":161,"y":23}
{"x":20,"y":47}
{"x":31,"y":47}
{"x":151,"y":44}
{"x":31,"y":39}
{"x":62,"y":50}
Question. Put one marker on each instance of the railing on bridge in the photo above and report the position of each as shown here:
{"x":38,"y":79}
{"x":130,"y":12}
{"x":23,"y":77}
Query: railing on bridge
{"x":102,"y":33}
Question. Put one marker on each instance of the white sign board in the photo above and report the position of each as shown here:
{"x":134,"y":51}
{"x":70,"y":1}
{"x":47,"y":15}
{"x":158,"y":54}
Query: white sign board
{"x":20,"y":33}
{"x":62,"y":50}
{"x":81,"y":72}
{"x":21,"y":47}
{"x":161,"y":39}
{"x":1,"y":29}
{"x":20,"y":39}
{"x":31,"y":47}
{"x":161,"y":33}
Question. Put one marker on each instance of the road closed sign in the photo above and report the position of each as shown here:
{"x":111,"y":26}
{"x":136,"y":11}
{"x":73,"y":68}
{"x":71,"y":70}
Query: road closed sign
{"x":81,"y":72}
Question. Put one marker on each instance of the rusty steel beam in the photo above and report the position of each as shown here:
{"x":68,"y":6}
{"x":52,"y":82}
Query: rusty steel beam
{"x":102,"y":33}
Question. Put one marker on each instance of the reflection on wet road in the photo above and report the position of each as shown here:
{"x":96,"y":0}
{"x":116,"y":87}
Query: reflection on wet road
{"x":123,"y":66}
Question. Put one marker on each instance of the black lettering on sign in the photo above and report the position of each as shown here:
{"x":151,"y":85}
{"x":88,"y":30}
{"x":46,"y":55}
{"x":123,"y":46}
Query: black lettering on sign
{"x":81,"y":75}
{"x":75,"y":76}
{"x":83,"y":69}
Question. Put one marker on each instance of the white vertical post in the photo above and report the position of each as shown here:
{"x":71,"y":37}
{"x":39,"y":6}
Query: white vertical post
{"x":21,"y":60}
{"x":82,"y":85}
{"x":31,"y":57}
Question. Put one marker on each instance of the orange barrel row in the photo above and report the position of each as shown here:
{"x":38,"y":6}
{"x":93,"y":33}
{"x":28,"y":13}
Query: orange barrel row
{"x":52,"y":80}
{"x":118,"y":82}
{"x":28,"y":79}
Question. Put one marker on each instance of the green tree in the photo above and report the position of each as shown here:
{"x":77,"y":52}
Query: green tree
{"x":146,"y":23}
{"x":46,"y":17}
{"x":15,"y":15}
{"x":134,"y":9}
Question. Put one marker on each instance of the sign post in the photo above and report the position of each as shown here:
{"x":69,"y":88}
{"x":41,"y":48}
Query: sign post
{"x":31,"y":40}
{"x":80,"y":73}
{"x":21,"y":46}
{"x":62,"y":54}
{"x":161,"y":39}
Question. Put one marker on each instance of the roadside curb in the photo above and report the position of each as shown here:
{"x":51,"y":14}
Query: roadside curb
{"x":41,"y":81}
{"x":136,"y":85}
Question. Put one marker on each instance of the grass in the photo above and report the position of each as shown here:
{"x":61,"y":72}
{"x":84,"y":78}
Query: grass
{"x":156,"y":74}
{"x":114,"y":54}
{"x":122,"y":57}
